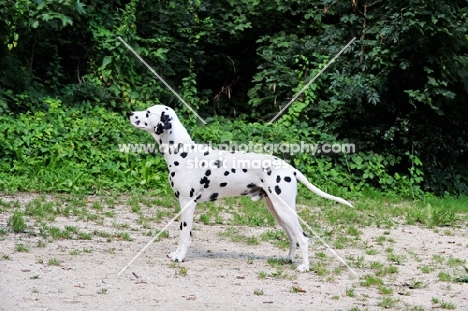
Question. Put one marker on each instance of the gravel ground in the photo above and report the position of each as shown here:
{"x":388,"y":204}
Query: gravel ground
{"x":223,"y":275}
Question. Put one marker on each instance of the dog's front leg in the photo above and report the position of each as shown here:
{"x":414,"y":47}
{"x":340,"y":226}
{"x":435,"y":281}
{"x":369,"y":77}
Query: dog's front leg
{"x":186,"y":222}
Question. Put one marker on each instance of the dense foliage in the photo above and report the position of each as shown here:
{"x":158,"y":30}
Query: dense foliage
{"x":399,"y":92}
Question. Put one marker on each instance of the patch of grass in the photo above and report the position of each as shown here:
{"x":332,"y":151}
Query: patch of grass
{"x":277,"y":262}
{"x":444,"y":277}
{"x":370,"y":280}
{"x":443,"y":304}
{"x":277,"y":237}
{"x":6,"y":257}
{"x":417,"y":284}
{"x":438,"y":259}
{"x":320,"y":268}
{"x":258,"y":292}
{"x":455,"y":262}
{"x":341,"y":242}
{"x":385,"y":290}
{"x":124,"y":236}
{"x":17,"y":222}
{"x":84,"y":236}
{"x":233,"y":234}
{"x":396,"y":259}
{"x":205,"y":218}
{"x":262,"y":275}
{"x":386,"y":270}
{"x":357,"y":262}
{"x":102,"y":291}
{"x":350,"y":292}
{"x":388,"y":302}
{"x":252,"y":241}
{"x":376,"y":265}
{"x":371,"y":251}
{"x":182,"y":271}
{"x":426,"y":269}
{"x":24,"y":248}
{"x":53,"y":262}
{"x":74,"y":252}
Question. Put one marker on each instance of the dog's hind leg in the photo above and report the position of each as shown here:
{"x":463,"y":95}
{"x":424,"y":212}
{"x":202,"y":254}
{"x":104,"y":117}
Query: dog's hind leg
{"x":185,"y":240}
{"x":292,"y":242}
{"x":286,"y":212}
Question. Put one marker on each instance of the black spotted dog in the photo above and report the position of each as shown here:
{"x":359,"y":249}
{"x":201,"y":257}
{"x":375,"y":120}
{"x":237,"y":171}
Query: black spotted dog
{"x":199,"y":173}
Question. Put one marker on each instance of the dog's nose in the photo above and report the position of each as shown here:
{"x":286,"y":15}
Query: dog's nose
{"x":129,"y":114}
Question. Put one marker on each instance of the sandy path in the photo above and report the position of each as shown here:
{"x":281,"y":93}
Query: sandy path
{"x":220,"y":274}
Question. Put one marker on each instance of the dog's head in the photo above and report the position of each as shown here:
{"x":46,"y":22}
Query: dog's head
{"x":156,"y":119}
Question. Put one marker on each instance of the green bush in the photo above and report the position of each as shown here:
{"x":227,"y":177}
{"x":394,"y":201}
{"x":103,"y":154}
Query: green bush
{"x":73,"y":149}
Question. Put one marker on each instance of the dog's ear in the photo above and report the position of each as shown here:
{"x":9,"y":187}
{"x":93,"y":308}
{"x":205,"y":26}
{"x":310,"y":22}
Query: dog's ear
{"x":164,"y":124}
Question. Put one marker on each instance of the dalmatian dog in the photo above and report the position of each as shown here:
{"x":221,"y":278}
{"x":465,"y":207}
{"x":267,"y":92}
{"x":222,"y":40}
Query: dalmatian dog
{"x":199,"y":173}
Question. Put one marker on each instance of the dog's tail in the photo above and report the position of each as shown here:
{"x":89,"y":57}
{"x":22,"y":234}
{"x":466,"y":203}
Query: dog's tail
{"x":300,"y":177}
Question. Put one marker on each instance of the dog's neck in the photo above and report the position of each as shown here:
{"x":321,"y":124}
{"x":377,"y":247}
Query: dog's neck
{"x":174,"y":136}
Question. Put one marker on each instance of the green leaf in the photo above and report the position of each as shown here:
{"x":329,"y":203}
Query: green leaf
{"x":106,"y":61}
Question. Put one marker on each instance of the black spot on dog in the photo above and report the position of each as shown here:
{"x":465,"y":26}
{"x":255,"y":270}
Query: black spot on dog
{"x":177,"y":194}
{"x":269,"y":173}
{"x":146,"y":124}
{"x":191,"y":192}
{"x":277,"y":190}
{"x":223,"y":184}
{"x":246,"y":192}
{"x":294,"y":173}
{"x":233,"y":170}
{"x":137,"y":122}
{"x":251,"y":185}
{"x":198,"y":197}
{"x":136,"y":117}
{"x":172,"y":184}
{"x":206,"y":153}
{"x":176,"y":163}
{"x":171,"y":142}
{"x":269,"y":189}
{"x":185,"y":224}
{"x":208,"y":173}
{"x":278,"y":179}
{"x":244,"y":170}
{"x":287,"y":179}
{"x":214,"y":196}
{"x":203,"y":163}
{"x":305,"y":234}
{"x":261,"y":180}
{"x":226,"y":173}
{"x":172,"y":174}
{"x":160,"y":141}
{"x":180,"y":227}
{"x":217,"y":163}
{"x":205,"y":182}
{"x":184,"y":154}
{"x":193,"y":147}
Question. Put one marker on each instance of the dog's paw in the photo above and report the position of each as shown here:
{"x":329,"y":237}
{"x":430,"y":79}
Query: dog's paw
{"x":303,"y":268}
{"x":176,"y":257}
